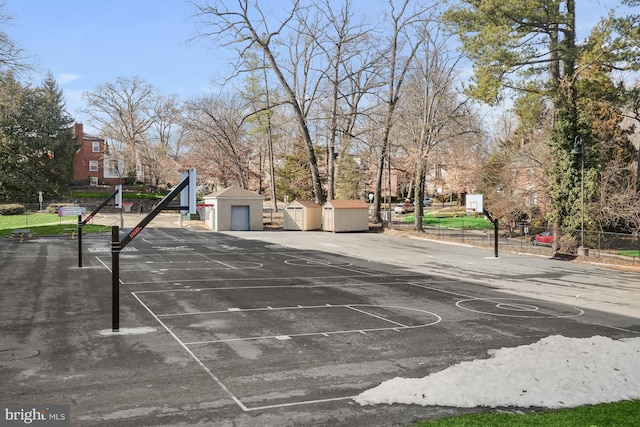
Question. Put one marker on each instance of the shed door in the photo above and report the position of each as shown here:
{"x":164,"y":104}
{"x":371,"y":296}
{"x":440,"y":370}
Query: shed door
{"x":240,"y":218}
{"x":328,"y":219}
{"x":295,"y":212}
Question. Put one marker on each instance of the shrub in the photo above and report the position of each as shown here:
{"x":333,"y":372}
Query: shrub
{"x":12,"y":209}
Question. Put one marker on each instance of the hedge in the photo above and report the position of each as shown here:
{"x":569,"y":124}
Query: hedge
{"x":12,"y":209}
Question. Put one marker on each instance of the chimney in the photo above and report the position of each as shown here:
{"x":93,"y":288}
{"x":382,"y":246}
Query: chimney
{"x":78,"y":132}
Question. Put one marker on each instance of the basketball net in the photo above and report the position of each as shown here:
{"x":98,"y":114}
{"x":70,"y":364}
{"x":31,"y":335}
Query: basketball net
{"x":204,"y":211}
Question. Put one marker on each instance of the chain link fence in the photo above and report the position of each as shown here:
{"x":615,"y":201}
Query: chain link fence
{"x":603,"y":245}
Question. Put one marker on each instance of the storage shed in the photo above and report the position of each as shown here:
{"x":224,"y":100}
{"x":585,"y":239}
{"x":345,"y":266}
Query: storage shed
{"x":345,"y":215}
{"x":302,"y":215}
{"x":235,"y":209}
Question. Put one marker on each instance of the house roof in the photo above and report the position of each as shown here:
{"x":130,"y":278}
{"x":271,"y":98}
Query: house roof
{"x":234,"y":192}
{"x":347,"y":204}
{"x":87,"y":137}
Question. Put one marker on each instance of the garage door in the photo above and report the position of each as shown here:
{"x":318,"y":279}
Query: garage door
{"x":240,"y":218}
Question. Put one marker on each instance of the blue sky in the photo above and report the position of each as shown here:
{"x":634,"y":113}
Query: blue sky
{"x":85,"y":43}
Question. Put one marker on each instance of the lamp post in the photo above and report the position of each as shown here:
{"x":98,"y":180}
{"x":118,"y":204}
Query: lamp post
{"x":578,"y":148}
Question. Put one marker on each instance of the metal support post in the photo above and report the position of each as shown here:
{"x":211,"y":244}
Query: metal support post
{"x":115,"y":278}
{"x":80,"y":224}
{"x":495,"y":237}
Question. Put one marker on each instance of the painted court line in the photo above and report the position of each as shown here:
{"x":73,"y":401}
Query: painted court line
{"x":396,"y":328}
{"x":493,"y":300}
{"x":376,"y":316}
{"x":192,"y":354}
{"x":254,"y":279}
{"x":259,"y":279}
{"x":221,"y":384}
{"x":328,"y":264}
{"x":356,"y":307}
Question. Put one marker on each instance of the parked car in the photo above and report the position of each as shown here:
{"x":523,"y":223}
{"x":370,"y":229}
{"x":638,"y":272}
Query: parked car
{"x":403,"y":208}
{"x":426,"y":202}
{"x":545,"y":238}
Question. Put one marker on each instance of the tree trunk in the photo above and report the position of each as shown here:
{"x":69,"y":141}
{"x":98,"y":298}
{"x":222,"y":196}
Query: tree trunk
{"x":418,"y":195}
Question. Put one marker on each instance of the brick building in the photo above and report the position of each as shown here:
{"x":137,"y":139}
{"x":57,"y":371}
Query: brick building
{"x":93,"y":164}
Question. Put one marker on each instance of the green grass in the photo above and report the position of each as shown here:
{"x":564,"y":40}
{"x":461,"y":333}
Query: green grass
{"x":619,"y":414}
{"x":466,"y":222}
{"x":44,"y":224}
{"x":632,"y":253}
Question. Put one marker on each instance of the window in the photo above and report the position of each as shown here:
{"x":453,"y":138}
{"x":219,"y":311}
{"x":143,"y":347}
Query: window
{"x":93,"y":180}
{"x":95,"y":146}
{"x":93,"y":165}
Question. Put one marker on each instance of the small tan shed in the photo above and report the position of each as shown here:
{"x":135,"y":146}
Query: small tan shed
{"x":235,"y":209}
{"x":345,"y":215}
{"x":302,"y":215}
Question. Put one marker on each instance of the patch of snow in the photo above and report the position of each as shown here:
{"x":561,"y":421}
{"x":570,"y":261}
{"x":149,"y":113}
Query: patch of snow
{"x":555,"y":372}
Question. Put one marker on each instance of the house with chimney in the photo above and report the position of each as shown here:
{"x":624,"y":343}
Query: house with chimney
{"x":93,"y":163}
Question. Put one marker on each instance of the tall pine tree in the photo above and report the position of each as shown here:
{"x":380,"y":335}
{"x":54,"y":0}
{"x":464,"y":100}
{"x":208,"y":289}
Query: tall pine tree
{"x":36,"y":141}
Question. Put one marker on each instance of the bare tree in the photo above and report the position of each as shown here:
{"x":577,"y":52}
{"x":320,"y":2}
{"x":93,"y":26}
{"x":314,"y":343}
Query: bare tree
{"x":220,"y":147}
{"x":166,"y":130}
{"x":123,"y":111}
{"x":247,"y":26}
{"x":618,"y":206}
{"x":12,"y":57}
{"x":397,"y":57}
{"x":166,"y":140}
{"x":435,"y":113}
{"x":345,"y":47}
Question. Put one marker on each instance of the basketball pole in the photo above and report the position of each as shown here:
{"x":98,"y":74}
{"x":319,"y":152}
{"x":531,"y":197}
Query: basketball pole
{"x":186,"y":189}
{"x":115,"y":278}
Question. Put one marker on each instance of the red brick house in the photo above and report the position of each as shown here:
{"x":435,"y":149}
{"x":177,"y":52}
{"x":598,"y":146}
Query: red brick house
{"x":93,"y":164}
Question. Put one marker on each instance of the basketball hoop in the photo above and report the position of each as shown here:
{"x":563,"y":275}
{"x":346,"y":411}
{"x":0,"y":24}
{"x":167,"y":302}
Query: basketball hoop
{"x":204,"y":211}
{"x":127,"y":206}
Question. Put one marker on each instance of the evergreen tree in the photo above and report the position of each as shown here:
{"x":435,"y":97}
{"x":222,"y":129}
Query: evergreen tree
{"x":293,"y":177}
{"x":55,"y":128}
{"x":527,"y":46}
{"x":36,"y":141}
{"x":530,"y":47}
{"x":348,"y":178}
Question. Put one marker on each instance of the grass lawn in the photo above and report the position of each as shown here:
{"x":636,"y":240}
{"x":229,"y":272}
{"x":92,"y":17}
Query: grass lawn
{"x":466,"y":222}
{"x":632,"y":253}
{"x":619,"y":414}
{"x":45,"y":224}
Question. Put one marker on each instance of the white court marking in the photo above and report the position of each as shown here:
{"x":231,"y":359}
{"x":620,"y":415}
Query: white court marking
{"x":190,"y":265}
{"x":359,"y":308}
{"x":315,"y":263}
{"x":311,"y":262}
{"x":396,"y":326}
{"x":519,"y":306}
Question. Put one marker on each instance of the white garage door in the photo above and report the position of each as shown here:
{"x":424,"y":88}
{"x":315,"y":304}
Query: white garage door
{"x":240,"y":218}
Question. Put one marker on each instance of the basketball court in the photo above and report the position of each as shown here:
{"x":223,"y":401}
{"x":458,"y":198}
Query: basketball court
{"x":274,"y":326}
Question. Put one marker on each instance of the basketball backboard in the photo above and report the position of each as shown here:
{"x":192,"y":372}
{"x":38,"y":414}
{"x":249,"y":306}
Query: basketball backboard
{"x":188,"y":194}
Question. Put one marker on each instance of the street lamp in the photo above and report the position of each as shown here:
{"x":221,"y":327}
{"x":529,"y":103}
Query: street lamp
{"x":578,"y":148}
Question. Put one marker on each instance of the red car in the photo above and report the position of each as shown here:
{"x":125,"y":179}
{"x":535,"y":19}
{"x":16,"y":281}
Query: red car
{"x":545,"y":238}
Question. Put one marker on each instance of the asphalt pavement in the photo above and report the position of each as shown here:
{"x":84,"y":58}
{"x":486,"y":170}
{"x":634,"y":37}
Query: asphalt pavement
{"x":274,"y":328}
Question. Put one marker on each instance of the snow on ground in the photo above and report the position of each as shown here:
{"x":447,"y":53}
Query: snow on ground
{"x":555,"y":372}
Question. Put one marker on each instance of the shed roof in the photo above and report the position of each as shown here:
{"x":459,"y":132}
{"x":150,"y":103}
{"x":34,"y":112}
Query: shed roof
{"x":347,"y":204}
{"x":305,"y":203}
{"x":234,"y":192}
